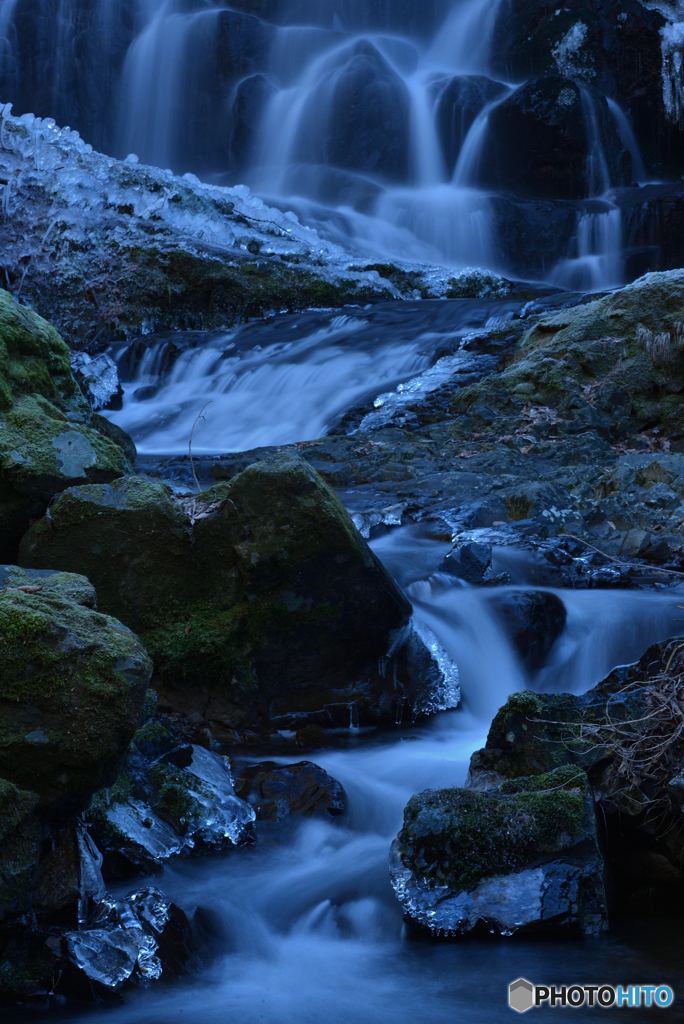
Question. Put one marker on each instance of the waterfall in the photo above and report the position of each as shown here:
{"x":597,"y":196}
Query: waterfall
{"x":599,"y":262}
{"x":372,"y":122}
{"x":629,"y":141}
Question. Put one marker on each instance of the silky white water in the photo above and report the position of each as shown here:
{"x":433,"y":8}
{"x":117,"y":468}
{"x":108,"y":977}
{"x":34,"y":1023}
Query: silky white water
{"x":371,"y":121}
{"x":287,"y":379}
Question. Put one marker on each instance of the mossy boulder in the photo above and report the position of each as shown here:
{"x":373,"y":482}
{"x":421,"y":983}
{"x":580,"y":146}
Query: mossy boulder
{"x":258,"y":601}
{"x":72,"y":684}
{"x":615,"y":366}
{"x":48,"y":440}
{"x":166,"y":806}
{"x":523,"y":859}
{"x":624,"y":733}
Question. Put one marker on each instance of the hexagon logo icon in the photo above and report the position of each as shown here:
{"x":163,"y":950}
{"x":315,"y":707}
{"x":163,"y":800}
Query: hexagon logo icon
{"x":521,"y":995}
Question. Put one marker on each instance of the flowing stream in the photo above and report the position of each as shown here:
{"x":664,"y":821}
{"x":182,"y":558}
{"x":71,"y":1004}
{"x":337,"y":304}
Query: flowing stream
{"x":308,"y":927}
{"x":289,"y":378}
{"x":371,"y":121}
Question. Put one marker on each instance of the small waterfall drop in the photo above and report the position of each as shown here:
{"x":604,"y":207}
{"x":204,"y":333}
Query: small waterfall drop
{"x":599,"y":262}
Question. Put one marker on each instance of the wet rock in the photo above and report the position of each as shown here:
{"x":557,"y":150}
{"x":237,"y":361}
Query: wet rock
{"x":46,"y":436}
{"x":566,"y":360}
{"x":615,"y":733}
{"x":67,"y":712}
{"x":545,"y":123}
{"x":360,"y":117}
{"x":524,"y":859}
{"x":614,"y":47}
{"x":279,"y":791}
{"x":469,"y":562}
{"x":533,"y":619}
{"x":164,"y":807}
{"x":460,"y":101}
{"x":135,"y":248}
{"x":247,"y":604}
{"x":20,"y":835}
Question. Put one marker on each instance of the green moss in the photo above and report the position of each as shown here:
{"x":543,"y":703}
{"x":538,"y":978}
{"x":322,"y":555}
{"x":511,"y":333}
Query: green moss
{"x":72,"y":683}
{"x":519,"y":506}
{"x":173,"y":802}
{"x":458,"y":837}
{"x":33,"y":358}
{"x":568,"y":776}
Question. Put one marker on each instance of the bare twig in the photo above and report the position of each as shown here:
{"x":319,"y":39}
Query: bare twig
{"x":618,"y":561}
{"x":200,"y":416}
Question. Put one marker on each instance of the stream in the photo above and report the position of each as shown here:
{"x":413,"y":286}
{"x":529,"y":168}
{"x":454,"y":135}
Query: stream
{"x":308,"y":930}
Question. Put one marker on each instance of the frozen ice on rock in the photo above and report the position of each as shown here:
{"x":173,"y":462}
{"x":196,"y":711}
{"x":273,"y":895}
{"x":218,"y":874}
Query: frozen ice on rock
{"x":123,"y":944}
{"x":98,"y":377}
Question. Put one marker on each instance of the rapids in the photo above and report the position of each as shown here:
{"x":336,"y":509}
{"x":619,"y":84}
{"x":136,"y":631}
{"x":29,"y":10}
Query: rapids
{"x":286,"y":379}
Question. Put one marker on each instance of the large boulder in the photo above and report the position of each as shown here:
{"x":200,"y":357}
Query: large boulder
{"x":48,"y":440}
{"x":72,"y":683}
{"x":358,"y":118}
{"x":525,"y":858}
{"x":258,"y":600}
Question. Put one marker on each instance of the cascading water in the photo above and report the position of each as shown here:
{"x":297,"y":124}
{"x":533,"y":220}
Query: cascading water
{"x":288,"y":379}
{"x":308,"y":926}
{"x":370,"y":121}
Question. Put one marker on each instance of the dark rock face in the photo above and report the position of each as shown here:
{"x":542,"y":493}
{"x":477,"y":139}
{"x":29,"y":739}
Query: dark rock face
{"x":460,"y":100}
{"x":359,"y":120}
{"x":523,"y":859}
{"x":617,"y":50}
{"x":251,"y":97}
{"x":546,"y":123}
{"x":279,"y":791}
{"x":534,"y":620}
{"x":265,"y":604}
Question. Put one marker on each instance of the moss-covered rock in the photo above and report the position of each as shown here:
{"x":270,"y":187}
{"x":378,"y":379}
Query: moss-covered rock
{"x":259,"y":601}
{"x":72,"y":683}
{"x":526,"y":858}
{"x":166,"y":805}
{"x":48,"y":440}
{"x":615,"y":366}
{"x":624,"y":733}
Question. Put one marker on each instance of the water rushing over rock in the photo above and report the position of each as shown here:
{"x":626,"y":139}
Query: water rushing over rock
{"x":392,"y":131}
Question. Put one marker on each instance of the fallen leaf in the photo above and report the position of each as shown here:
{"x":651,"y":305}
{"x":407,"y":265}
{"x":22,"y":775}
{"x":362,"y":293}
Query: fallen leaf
{"x":187,"y":630}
